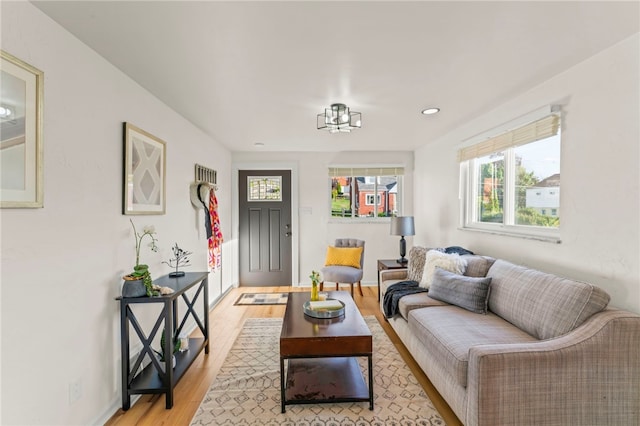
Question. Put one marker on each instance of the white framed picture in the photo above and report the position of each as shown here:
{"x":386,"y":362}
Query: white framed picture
{"x":144,"y":172}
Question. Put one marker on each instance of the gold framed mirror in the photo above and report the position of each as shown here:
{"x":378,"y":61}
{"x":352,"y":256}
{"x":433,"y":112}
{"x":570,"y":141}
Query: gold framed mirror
{"x":21,"y":145}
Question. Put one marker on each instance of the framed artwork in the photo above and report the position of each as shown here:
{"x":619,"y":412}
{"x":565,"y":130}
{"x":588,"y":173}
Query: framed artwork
{"x":21,"y":146}
{"x":144,"y":172}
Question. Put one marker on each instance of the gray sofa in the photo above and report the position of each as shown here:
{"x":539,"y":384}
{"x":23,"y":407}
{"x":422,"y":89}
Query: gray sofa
{"x":549,"y":351}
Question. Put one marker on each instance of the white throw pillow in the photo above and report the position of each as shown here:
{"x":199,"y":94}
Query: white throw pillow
{"x":449,"y":262}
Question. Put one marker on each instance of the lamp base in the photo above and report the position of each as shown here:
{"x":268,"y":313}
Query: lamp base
{"x":403,"y":251}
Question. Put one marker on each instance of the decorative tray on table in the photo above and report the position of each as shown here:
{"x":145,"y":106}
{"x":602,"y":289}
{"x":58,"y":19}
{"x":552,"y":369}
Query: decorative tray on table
{"x":330,"y":308}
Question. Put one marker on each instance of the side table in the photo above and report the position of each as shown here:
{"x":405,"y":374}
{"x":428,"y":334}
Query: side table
{"x":155,"y":378}
{"x":385,"y":264}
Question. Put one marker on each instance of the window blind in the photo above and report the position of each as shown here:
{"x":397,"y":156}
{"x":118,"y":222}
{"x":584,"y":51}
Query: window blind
{"x":365,"y":171}
{"x":534,"y":131}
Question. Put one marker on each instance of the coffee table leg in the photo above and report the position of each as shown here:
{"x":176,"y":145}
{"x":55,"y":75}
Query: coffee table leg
{"x":282,"y":384}
{"x":370,"y":383}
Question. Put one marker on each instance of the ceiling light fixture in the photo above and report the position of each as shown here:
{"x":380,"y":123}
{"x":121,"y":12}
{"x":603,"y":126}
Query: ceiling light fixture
{"x":429,"y":111}
{"x":5,"y":112}
{"x":339,"y":119}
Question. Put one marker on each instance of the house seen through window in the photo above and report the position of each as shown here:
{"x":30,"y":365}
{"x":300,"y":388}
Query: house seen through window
{"x":365,"y":192}
{"x":512,"y":180}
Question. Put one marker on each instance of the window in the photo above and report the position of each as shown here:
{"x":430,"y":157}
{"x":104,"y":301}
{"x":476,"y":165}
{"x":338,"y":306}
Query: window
{"x":264,"y":188}
{"x":371,"y":200}
{"x":365,"y":192}
{"x":511,"y":181}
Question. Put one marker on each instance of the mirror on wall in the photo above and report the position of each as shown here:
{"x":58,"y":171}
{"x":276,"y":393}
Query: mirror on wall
{"x":21,"y":149}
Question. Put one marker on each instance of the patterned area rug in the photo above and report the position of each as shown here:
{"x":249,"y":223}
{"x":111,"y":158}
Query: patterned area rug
{"x":262,"y":299}
{"x":247,"y":389}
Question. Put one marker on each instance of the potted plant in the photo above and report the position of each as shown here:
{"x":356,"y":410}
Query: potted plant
{"x":162,"y":356}
{"x":139,"y":283}
{"x":315,"y":281}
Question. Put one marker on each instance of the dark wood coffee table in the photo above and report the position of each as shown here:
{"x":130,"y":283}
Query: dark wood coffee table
{"x":322,"y":366}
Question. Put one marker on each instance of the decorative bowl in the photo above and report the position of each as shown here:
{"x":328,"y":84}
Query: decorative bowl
{"x":323,"y":313}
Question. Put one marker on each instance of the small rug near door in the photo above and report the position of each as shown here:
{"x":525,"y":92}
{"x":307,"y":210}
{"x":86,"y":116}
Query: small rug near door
{"x":262,"y":299}
{"x":247,"y":389}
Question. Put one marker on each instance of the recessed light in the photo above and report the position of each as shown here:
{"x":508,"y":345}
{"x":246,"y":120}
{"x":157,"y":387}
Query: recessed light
{"x":258,"y":144}
{"x":429,"y":111}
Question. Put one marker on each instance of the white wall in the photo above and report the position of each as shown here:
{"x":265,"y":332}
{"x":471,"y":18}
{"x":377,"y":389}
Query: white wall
{"x":62,"y":265}
{"x":600,"y":180}
{"x":316,"y":230}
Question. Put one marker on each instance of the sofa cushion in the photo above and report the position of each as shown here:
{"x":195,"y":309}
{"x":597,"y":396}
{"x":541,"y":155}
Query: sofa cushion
{"x":542,"y":304}
{"x":449,"y":332}
{"x":477,"y":266}
{"x":470,"y":293}
{"x":437,"y":259}
{"x":415,"y":301}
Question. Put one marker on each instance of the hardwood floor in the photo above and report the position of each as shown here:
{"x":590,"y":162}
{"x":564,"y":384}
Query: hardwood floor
{"x":225,"y":323}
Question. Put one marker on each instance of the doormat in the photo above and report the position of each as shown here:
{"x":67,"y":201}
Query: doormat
{"x":262,"y":299}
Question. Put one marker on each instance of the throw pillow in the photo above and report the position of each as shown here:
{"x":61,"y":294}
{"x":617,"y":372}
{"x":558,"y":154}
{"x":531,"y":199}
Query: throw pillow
{"x":469,"y":293}
{"x":416,"y":263}
{"x":343,"y":256}
{"x":435,"y":258}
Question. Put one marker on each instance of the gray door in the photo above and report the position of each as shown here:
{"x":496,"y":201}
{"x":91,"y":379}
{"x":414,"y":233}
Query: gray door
{"x":265,"y":227}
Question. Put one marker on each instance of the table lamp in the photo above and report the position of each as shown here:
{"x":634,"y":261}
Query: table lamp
{"x":402,"y":225}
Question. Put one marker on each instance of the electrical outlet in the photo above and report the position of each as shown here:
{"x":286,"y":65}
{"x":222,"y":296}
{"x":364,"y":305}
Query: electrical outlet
{"x":75,"y":391}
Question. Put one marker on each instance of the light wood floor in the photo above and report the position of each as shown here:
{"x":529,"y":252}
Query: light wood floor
{"x":225,"y":323}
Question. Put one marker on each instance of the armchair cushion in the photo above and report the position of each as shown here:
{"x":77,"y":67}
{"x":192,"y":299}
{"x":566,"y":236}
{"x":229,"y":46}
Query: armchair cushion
{"x":341,"y":274}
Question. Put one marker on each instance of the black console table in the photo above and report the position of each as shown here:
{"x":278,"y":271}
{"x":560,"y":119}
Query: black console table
{"x":152,"y":379}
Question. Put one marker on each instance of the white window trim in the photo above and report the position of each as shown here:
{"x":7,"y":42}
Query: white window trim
{"x":468,"y":191}
{"x":377,"y":198}
{"x":370,"y":171}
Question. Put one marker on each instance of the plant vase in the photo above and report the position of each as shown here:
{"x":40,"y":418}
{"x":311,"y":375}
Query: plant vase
{"x":163,"y":363}
{"x":173,"y":362}
{"x":133,"y":287}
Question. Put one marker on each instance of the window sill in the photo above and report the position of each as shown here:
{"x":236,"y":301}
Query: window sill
{"x":357,"y":220}
{"x":554,"y":239}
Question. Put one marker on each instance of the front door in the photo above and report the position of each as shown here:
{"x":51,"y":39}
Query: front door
{"x":265,"y":227}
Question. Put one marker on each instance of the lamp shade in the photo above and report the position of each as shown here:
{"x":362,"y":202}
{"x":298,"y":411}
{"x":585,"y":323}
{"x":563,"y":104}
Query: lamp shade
{"x":402,"y":225}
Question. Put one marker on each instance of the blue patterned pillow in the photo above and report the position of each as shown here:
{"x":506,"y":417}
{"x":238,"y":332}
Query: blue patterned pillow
{"x":470,"y":293}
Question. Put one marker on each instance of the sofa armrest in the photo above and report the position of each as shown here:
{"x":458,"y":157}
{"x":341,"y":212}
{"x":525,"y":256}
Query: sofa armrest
{"x":393,"y":274}
{"x":588,"y":376}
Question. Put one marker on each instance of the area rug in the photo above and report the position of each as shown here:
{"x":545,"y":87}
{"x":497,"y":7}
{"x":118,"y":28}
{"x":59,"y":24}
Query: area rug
{"x":262,"y":299}
{"x":247,"y":389}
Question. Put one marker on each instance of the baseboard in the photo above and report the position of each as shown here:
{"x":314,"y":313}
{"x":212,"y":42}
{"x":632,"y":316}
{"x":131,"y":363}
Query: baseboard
{"x":113,"y":409}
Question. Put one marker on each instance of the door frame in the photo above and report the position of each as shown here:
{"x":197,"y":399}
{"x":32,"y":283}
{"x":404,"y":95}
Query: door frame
{"x":235,"y":214}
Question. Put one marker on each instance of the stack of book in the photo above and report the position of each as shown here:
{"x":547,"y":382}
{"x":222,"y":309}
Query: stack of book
{"x":326,"y":305}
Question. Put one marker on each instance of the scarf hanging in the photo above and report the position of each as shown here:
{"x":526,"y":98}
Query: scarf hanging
{"x":207,"y":215}
{"x":214,"y":233}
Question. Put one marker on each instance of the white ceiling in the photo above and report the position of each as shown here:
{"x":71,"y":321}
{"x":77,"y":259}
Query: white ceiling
{"x":248,"y":72}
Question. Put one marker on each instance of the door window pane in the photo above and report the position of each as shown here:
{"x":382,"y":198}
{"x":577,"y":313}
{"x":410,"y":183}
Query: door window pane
{"x":264,"y":188}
